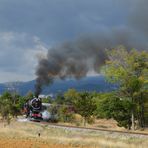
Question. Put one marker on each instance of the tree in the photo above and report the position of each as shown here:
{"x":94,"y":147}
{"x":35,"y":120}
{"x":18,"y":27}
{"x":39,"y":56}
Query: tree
{"x":10,"y":105}
{"x":102,"y":107}
{"x":47,"y":100}
{"x":110,"y":106}
{"x":6,"y":106}
{"x":64,"y":114}
{"x":71,"y":96}
{"x":59,"y":99}
{"x":85,"y":105}
{"x":130,"y":70}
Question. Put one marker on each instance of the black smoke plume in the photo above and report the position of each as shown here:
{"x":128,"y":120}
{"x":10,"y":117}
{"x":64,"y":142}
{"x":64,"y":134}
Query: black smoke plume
{"x":77,"y":58}
{"x":72,"y":59}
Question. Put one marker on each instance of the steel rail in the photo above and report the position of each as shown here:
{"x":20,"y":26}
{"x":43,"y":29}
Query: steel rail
{"x":95,"y":129}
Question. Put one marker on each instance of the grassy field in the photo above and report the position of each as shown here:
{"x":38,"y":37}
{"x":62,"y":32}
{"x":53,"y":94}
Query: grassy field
{"x":25,"y":135}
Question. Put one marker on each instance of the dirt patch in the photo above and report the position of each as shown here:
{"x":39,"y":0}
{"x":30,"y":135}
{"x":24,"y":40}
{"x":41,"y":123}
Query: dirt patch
{"x":24,"y":143}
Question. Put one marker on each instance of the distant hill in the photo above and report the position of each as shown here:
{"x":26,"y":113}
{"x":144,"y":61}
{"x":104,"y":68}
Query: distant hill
{"x":96,"y":83}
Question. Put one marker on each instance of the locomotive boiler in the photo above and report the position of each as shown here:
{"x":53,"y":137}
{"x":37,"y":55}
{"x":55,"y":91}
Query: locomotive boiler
{"x":33,"y":109}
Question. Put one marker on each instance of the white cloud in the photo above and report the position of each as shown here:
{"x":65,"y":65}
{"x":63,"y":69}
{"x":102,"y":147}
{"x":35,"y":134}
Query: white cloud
{"x":18,"y":55}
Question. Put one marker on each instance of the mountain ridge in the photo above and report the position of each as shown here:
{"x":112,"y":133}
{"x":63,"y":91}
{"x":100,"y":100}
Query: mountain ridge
{"x":91,"y":83}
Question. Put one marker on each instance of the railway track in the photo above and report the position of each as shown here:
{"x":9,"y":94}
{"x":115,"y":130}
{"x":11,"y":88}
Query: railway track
{"x":85,"y":128}
{"x":94,"y":129}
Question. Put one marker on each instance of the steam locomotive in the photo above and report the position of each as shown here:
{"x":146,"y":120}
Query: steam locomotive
{"x":32,"y":109}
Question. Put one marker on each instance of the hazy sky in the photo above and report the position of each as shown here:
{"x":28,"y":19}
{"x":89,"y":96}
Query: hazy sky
{"x":28,"y":28}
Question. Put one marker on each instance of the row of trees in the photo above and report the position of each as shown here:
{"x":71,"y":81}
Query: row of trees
{"x":89,"y":105}
{"x":129,"y":69}
{"x":127,"y":105}
{"x":11,"y":104}
{"x":98,"y":105}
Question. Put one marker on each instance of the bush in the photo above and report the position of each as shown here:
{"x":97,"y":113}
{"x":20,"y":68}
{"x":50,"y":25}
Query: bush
{"x":65,"y":115}
{"x":116,"y":108}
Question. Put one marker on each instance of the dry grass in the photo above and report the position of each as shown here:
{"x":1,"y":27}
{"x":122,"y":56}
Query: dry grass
{"x":108,"y":124}
{"x":97,"y":123}
{"x":26,"y":135}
